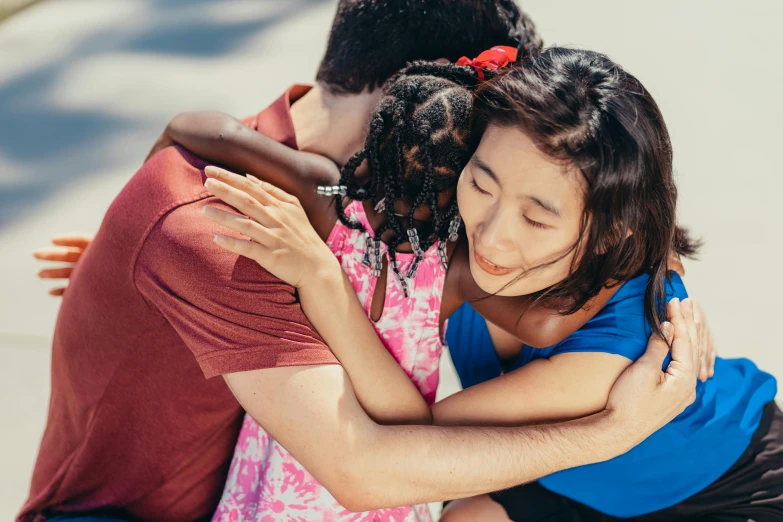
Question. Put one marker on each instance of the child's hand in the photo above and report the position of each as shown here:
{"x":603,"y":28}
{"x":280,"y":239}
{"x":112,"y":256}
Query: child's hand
{"x":69,"y":250}
{"x":282,"y":240}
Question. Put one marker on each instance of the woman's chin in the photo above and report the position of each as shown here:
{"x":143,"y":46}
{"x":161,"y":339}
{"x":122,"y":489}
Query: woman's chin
{"x":511,"y":285}
{"x":495,"y":285}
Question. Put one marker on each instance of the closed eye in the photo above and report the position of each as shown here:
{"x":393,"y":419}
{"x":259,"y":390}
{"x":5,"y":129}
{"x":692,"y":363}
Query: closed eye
{"x":535,"y":224}
{"x":479,"y":189}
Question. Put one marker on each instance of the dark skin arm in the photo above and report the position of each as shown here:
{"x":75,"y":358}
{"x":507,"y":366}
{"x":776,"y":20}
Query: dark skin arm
{"x":224,"y":140}
{"x":533,"y":324}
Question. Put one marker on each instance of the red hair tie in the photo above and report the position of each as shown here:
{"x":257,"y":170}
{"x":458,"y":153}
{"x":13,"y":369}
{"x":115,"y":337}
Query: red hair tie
{"x":495,"y":58}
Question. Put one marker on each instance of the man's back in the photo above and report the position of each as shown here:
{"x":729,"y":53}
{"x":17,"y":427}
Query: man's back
{"x":115,"y":360}
{"x":153,"y":308}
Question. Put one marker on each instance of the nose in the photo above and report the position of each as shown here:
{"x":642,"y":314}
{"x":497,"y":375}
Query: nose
{"x":496,"y":232}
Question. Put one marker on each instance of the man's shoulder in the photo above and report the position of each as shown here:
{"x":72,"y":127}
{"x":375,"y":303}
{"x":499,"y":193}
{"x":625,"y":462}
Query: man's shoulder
{"x":171,"y":178}
{"x":164,"y":189}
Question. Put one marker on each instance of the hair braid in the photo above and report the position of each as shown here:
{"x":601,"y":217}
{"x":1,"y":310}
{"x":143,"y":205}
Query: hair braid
{"x":419,"y":140}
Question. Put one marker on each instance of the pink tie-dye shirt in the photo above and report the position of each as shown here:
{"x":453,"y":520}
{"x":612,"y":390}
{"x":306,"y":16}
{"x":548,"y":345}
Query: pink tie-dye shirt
{"x":265,"y":483}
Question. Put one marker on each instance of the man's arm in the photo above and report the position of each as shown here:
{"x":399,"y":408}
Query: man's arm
{"x":314,"y":414}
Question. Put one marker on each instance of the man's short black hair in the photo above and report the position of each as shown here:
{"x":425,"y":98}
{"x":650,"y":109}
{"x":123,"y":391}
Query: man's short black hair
{"x":373,"y":39}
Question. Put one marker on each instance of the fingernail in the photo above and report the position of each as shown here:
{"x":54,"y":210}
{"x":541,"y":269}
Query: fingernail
{"x":210,"y":183}
{"x":218,"y":238}
{"x":253,"y":179}
{"x":667,"y":329}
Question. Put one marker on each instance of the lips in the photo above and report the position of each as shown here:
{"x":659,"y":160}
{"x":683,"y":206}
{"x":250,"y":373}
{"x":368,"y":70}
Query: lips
{"x":490,"y":267}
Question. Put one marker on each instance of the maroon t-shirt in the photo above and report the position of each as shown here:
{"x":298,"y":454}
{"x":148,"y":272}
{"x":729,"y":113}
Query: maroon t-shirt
{"x":155,"y":309}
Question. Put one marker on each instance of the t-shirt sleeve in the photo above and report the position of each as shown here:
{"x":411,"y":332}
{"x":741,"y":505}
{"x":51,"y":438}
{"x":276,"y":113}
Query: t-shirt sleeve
{"x":626,"y":337}
{"x":621,"y":327}
{"x":231,"y":313}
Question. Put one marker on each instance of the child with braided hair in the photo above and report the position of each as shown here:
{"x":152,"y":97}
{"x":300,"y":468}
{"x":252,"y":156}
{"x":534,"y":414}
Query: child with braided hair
{"x":392,"y":206}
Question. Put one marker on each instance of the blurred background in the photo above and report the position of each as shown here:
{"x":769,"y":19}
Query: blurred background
{"x":86,"y":86}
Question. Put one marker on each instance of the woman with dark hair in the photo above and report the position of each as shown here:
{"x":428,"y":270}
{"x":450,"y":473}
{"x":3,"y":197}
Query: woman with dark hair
{"x":570,"y":192}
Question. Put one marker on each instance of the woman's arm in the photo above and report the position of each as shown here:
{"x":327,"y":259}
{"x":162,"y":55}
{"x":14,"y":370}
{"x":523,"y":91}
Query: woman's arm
{"x":567,"y":386}
{"x":384,"y":390}
{"x":224,"y":140}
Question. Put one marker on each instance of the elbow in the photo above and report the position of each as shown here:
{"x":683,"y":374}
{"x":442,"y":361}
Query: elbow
{"x":227,"y":130}
{"x":422,"y":417}
{"x":352,"y":488}
{"x":178,"y":124}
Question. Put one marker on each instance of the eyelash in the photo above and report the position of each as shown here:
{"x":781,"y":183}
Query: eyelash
{"x":535,"y":224}
{"x":478,"y":189}
{"x":532,"y":223}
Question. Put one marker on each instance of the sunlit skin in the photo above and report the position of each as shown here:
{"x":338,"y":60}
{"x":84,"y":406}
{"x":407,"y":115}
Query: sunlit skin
{"x":521,"y":209}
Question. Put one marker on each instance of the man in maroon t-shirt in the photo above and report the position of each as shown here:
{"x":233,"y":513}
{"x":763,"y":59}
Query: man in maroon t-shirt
{"x":138,"y":426}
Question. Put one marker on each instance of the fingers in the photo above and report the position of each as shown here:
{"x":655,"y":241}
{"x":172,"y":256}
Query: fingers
{"x":57,"y":292}
{"x":704,"y":362}
{"x":55,"y":273}
{"x":274,"y":191}
{"x":658,"y":348}
{"x":708,"y":352}
{"x":62,"y":254}
{"x":237,"y":182}
{"x":684,"y":354}
{"x":246,"y":203}
{"x":693,"y":332}
{"x":239,"y":223}
{"x":80,"y":241}
{"x":262,"y":190}
{"x":250,"y":249}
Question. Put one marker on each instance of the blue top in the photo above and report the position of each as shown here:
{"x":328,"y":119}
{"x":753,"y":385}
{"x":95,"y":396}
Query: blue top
{"x":677,"y":461}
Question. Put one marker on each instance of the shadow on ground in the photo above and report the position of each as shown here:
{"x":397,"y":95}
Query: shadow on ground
{"x":38,"y":132}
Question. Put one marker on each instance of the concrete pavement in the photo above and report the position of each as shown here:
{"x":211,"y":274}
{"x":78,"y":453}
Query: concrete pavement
{"x":86,"y":87}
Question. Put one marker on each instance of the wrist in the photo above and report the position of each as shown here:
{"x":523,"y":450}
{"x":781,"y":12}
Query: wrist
{"x":612,"y":436}
{"x":326,"y":275}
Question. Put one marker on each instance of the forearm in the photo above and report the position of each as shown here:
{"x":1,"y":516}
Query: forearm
{"x":314,"y":414}
{"x":226,"y":141}
{"x":414,"y":464}
{"x":219,"y":138}
{"x":383,"y":389}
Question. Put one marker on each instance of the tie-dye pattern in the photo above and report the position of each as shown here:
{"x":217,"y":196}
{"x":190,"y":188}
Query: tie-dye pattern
{"x":265,"y":483}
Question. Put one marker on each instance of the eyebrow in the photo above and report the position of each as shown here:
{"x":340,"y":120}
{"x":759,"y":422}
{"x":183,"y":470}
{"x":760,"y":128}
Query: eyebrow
{"x":486,"y":168}
{"x":546,"y":205}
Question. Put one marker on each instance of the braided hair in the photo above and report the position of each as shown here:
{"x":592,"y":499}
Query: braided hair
{"x":419,"y":140}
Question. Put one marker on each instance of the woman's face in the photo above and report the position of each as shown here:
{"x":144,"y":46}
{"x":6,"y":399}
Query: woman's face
{"x":521,"y":210}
